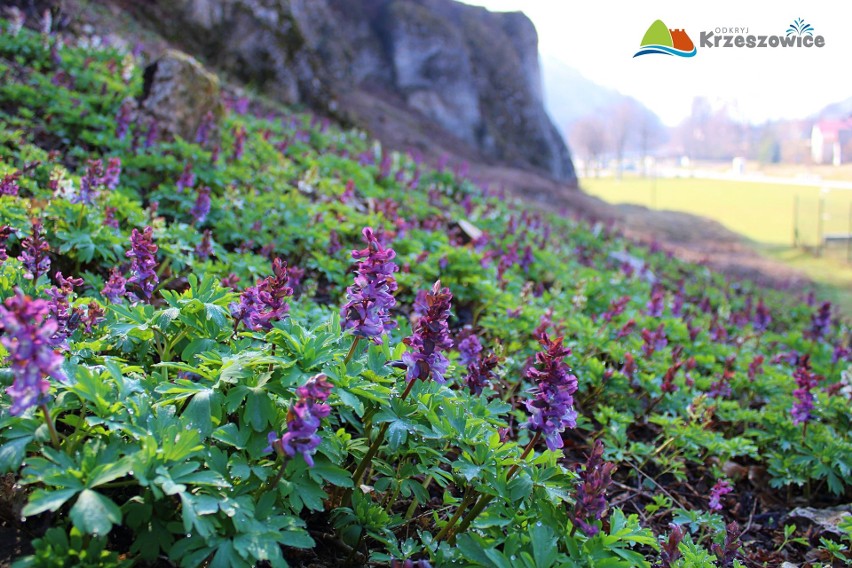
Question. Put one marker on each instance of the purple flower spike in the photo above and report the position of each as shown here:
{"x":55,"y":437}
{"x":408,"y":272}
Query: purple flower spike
{"x":552,"y":407}
{"x":59,"y":308}
{"x":431,"y":336}
{"x":9,"y":183}
{"x":112,"y":175}
{"x":34,"y":255}
{"x":202,"y":205}
{"x":303,"y":421}
{"x":26,"y":336}
{"x":806,"y":381}
{"x":469,"y":348}
{"x":370,"y":298}
{"x":143,"y":253}
{"x":722,"y":487}
{"x":762,"y":317}
{"x":115,"y":288}
{"x":820,"y":322}
{"x":591,"y":494}
{"x":266,"y":302}
{"x":5,"y":233}
{"x":186,"y":179}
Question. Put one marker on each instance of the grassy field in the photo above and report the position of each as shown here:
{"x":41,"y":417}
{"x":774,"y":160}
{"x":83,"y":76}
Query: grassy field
{"x":763,"y":212}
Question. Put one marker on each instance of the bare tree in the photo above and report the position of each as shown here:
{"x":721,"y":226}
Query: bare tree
{"x":588,"y":135}
{"x":622,"y":127}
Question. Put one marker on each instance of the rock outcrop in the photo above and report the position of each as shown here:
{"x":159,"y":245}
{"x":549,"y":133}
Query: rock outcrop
{"x":473,"y":72}
{"x":179,"y":93}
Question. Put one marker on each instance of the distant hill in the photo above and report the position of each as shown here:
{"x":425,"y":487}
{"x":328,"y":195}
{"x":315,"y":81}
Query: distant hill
{"x":840,"y":109}
{"x":569,"y":96}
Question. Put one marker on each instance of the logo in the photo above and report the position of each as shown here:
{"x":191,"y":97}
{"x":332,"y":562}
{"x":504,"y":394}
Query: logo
{"x":660,"y":39}
{"x":800,"y":28}
{"x":799,"y":34}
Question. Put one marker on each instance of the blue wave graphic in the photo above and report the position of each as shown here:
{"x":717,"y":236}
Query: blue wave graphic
{"x":666,"y":50}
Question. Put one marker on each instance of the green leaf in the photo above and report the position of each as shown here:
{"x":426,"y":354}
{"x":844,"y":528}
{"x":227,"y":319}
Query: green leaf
{"x":12,"y":453}
{"x":41,"y":501}
{"x":108,"y":472}
{"x":544,"y":545}
{"x":230,"y":434}
{"x":333,"y":474}
{"x":297,"y":538}
{"x":94,"y":513}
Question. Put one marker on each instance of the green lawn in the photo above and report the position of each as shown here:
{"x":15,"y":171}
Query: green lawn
{"x":763,"y":212}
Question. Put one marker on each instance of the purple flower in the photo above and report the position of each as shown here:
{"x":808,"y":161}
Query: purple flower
{"x":656,"y":304}
{"x":552,"y":408}
{"x":841,"y":352}
{"x":806,"y":381}
{"x":201,"y":208}
{"x":370,"y":298}
{"x":5,"y":232}
{"x":109,"y":217}
{"x":266,"y":302}
{"x":591,"y":493}
{"x":424,"y":358}
{"x":26,"y":336}
{"x":9,"y":183}
{"x":762,"y":317}
{"x":112,"y":175}
{"x":722,"y":487}
{"x":90,"y":183}
{"x":59,"y":308}
{"x":334,"y":245}
{"x":303,"y":421}
{"x":239,"y":143}
{"x":94,"y":316}
{"x":186,"y":179}
{"x":481,"y":372}
{"x":755,"y":367}
{"x":34,"y":253}
{"x":151,"y":135}
{"x":616,"y":308}
{"x":469,"y":348}
{"x":202,"y":135}
{"x":820,"y":322}
{"x":654,"y":340}
{"x":205,"y":248}
{"x":143,"y":255}
{"x":123,"y":118}
{"x":115,"y":288}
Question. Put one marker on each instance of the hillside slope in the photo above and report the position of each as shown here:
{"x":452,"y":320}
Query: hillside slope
{"x":274,"y":341}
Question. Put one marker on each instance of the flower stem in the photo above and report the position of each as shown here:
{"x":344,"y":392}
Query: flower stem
{"x":484,"y":500}
{"x":279,"y":475}
{"x":469,"y":497}
{"x":351,"y":350}
{"x":374,"y":447}
{"x":54,"y":437}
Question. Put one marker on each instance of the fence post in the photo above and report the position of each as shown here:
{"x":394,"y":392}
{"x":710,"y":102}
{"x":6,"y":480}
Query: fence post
{"x":795,"y":221}
{"x":820,"y":221}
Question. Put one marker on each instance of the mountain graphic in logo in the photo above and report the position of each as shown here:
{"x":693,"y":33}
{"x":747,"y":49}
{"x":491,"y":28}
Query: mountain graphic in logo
{"x":660,"y":39}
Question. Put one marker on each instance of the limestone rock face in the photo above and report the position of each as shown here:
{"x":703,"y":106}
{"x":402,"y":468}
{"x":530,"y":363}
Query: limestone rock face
{"x":179,"y":93}
{"x":473,"y":72}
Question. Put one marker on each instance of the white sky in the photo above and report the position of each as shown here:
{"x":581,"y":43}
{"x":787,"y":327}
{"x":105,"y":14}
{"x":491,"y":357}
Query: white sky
{"x":599,"y":38}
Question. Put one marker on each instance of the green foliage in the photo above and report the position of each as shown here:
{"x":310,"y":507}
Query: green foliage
{"x":163,"y":422}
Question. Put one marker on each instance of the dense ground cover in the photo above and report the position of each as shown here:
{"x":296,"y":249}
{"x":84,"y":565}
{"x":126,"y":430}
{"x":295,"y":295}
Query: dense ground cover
{"x":199,"y":370}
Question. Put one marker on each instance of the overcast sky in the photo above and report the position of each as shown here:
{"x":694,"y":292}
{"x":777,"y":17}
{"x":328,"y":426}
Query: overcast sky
{"x":599,"y":39}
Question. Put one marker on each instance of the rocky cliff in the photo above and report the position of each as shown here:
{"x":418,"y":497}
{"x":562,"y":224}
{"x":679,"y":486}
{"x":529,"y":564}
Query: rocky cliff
{"x":473,"y":72}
